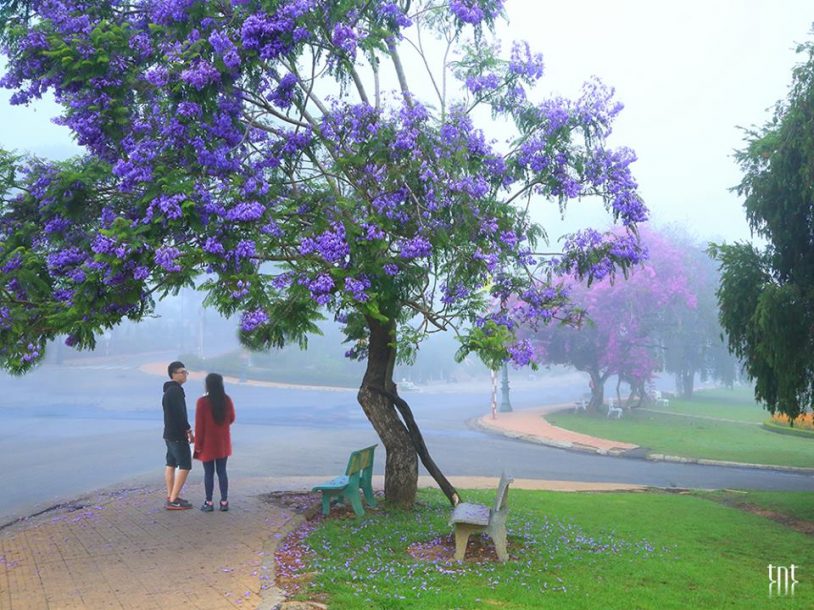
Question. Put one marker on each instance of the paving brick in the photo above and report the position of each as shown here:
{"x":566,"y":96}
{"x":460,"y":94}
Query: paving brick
{"x":124,"y":550}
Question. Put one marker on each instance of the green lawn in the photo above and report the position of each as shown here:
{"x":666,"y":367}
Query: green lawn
{"x":690,"y":429}
{"x":736,"y":405}
{"x":568,"y":550}
{"x":796,"y":504}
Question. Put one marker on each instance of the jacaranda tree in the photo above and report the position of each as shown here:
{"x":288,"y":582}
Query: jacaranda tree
{"x":693,"y":342}
{"x":288,"y":156}
{"x":626,"y":320}
{"x":766,"y":295}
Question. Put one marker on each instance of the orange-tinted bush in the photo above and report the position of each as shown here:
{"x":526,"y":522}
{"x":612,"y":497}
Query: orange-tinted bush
{"x":806,"y":420}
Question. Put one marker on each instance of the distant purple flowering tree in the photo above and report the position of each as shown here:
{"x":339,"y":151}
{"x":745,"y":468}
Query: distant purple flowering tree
{"x":278,"y":151}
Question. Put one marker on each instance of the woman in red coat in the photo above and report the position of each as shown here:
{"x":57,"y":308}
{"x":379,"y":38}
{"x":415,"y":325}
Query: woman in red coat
{"x":214,"y":414}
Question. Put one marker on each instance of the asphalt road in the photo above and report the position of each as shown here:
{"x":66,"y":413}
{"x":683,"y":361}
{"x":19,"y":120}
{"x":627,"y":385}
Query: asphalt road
{"x":69,"y":430}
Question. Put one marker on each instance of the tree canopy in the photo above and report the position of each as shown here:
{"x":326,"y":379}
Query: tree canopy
{"x":289,"y":157}
{"x":766,"y":295}
{"x":626,"y":319}
{"x":692,"y":340}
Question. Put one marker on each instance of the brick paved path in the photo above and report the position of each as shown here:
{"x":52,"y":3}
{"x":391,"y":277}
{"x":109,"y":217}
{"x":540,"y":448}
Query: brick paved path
{"x":124,"y":550}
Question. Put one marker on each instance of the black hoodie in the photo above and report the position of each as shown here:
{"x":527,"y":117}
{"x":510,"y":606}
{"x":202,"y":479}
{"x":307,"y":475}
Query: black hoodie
{"x":174,"y":402}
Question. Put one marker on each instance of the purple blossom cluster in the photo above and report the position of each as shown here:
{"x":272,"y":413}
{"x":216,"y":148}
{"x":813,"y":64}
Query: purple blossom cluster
{"x":282,"y":95}
{"x":362,"y":199}
{"x":593,"y":254}
{"x":251,"y":320}
{"x":321,"y":288}
{"x":272,"y":36}
{"x":246,"y":211}
{"x":330,"y":245}
{"x":357,"y":287}
{"x":201,"y":74}
{"x":344,"y":37}
{"x":31,"y":353}
{"x":524,"y":63}
{"x":474,"y":12}
{"x":478,"y":83}
{"x":5,"y":318}
{"x":416,"y":247}
{"x":392,"y":13}
{"x":454,"y":294}
{"x":521,"y":353}
{"x":167,"y":258}
{"x":226,"y":49}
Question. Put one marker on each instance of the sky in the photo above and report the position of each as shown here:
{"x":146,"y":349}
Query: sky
{"x":689,"y":74}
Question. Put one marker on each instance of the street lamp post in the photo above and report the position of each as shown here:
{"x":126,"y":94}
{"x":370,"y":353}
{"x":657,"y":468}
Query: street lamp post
{"x":505,"y":405}
{"x":493,"y":403}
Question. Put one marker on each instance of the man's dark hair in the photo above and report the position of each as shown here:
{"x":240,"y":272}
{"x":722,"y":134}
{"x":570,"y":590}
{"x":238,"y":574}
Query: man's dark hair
{"x":174,"y":366}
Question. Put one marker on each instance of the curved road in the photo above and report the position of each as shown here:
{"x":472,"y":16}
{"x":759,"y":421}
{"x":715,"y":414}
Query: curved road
{"x":71,"y":429}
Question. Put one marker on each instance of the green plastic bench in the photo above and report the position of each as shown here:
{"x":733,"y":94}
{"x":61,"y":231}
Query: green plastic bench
{"x":358,"y":475}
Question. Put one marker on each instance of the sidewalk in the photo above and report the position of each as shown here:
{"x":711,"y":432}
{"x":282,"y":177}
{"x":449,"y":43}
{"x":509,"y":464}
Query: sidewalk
{"x":530,"y":425}
{"x":118,"y":549}
{"x":122,"y":549}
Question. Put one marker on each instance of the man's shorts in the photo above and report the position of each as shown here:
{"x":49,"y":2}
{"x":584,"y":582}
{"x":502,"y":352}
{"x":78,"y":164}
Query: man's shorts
{"x":179,"y":455}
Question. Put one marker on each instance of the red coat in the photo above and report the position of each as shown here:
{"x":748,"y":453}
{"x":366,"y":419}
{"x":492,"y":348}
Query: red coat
{"x":212,"y":440}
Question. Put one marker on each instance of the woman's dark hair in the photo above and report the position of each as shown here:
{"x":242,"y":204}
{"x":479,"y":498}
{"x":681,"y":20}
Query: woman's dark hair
{"x":217,"y":396}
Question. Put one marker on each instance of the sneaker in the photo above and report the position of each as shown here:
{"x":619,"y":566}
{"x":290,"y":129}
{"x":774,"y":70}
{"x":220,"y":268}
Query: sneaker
{"x":207,"y":507}
{"x":177,"y":505}
{"x":224,"y":505}
{"x":182,"y":502}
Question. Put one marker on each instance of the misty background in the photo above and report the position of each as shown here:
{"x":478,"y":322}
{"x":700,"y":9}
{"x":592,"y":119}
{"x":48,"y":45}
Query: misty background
{"x":690,"y":75}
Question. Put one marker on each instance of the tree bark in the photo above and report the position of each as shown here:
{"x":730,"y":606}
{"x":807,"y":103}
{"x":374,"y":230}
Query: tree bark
{"x":421,"y":449}
{"x":597,"y":390}
{"x":402,"y":439}
{"x":687,"y":380}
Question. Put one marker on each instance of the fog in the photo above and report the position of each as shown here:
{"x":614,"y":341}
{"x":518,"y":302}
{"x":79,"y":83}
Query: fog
{"x":689,"y":75}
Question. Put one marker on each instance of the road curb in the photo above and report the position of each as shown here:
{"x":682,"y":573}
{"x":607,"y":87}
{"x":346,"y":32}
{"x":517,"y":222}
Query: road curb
{"x":660,"y":457}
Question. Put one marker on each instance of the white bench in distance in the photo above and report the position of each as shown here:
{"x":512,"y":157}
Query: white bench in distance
{"x":469,"y":518}
{"x":613,"y":410}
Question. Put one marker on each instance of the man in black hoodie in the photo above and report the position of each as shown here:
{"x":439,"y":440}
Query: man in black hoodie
{"x":177,"y":436}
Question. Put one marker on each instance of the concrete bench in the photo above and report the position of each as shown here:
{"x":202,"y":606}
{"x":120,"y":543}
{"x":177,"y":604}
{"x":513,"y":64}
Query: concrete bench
{"x":469,"y":518}
{"x":358,"y":475}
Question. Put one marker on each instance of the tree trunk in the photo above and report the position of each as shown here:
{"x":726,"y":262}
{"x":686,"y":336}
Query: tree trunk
{"x":597,"y":390}
{"x":687,"y":381}
{"x":402,"y":439}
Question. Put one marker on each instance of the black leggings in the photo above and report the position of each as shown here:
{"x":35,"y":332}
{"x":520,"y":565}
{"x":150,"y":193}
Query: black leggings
{"x":209,"y":478}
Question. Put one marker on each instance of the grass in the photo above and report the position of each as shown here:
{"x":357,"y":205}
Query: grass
{"x":568,"y":550}
{"x":735,"y":405}
{"x":794,"y":504}
{"x":718,"y":425}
